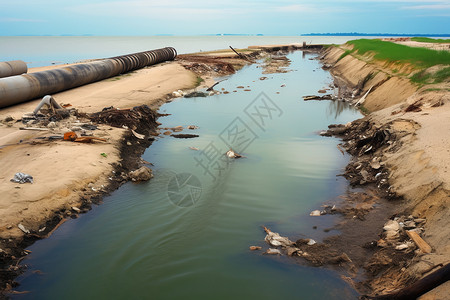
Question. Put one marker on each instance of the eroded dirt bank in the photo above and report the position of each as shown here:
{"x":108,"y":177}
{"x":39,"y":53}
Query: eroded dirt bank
{"x":401,"y":149}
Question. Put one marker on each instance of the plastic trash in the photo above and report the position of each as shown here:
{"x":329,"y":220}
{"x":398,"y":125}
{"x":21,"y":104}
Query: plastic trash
{"x":22,"y":178}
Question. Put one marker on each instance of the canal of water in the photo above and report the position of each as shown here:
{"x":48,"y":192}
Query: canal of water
{"x":186,"y":233}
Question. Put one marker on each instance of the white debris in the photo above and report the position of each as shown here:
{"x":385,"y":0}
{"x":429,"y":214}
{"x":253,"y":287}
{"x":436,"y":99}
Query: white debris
{"x":276,"y":240}
{"x":21,"y":227}
{"x":231,"y":154}
{"x":391,"y":225}
{"x":138,"y":135}
{"x":401,"y":247}
{"x":315,"y":213}
{"x":176,"y":94}
{"x":273,"y":251}
{"x":311,"y":242}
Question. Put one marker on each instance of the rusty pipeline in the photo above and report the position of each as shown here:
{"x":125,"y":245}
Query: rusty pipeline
{"x":22,"y":88}
{"x":12,"y":68}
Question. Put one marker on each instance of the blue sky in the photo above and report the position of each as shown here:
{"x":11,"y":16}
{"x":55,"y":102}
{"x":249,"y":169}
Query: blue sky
{"x":283,"y":17}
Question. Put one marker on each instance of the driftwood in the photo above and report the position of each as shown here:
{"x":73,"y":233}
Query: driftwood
{"x":240,"y":55}
{"x":418,"y":288}
{"x":212,"y":87}
{"x":423,"y":246}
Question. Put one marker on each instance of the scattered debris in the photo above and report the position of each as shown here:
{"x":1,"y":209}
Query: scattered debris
{"x":33,"y":128}
{"x":196,"y":94}
{"x":363,"y":98}
{"x":104,"y":154}
{"x":315,"y":213}
{"x":22,"y":178}
{"x":194,"y":148}
{"x":185,"y":136}
{"x":272,"y":251}
{"x":73,"y":137}
{"x":423,"y":246}
{"x":178,"y":94}
{"x":48,"y":101}
{"x":276,"y":240}
{"x":318,"y":254}
{"x":192,"y":127}
{"x":211,"y":88}
{"x":76,"y":209}
{"x":319,"y":98}
{"x":254,"y":248}
{"x":231,"y":154}
{"x":177,"y":128}
{"x":21,"y":227}
{"x":137,"y":135}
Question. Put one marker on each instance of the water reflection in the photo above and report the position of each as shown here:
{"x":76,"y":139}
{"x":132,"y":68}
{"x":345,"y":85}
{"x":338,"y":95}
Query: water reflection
{"x":336,"y":108}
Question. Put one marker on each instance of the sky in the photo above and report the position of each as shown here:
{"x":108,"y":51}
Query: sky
{"x":196,"y":17}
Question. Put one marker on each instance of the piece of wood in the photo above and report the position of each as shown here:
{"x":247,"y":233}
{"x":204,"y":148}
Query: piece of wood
{"x":363,"y":98}
{"x":88,"y":139}
{"x":423,"y":246}
{"x":33,"y":128}
{"x":240,"y":55}
{"x":420,"y":287}
{"x":212,"y":87}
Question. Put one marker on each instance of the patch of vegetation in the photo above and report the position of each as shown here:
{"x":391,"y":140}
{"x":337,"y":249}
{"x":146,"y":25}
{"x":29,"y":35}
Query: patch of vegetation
{"x":392,"y":52}
{"x":366,"y":79}
{"x":418,"y":58}
{"x":346,"y":52}
{"x":198,"y":81}
{"x":364,"y":110}
{"x":424,"y":77}
{"x":436,"y":90}
{"x":428,"y":40}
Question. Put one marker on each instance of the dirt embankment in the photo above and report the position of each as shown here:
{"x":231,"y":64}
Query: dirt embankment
{"x":402,"y":149}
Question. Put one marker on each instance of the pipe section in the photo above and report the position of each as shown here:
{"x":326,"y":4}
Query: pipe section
{"x":11,"y":68}
{"x":18,"y":89}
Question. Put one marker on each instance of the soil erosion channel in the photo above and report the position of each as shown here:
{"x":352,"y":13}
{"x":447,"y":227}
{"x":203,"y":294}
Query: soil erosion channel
{"x":162,"y":239}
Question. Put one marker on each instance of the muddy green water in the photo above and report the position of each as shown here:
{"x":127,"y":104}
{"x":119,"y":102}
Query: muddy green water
{"x":160,"y":240}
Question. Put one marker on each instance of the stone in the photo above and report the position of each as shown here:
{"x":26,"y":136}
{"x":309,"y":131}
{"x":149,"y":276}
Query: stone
{"x":142,"y":174}
{"x":391,"y":225}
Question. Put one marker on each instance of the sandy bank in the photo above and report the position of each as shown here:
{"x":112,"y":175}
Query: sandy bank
{"x":416,"y":159}
{"x":61,"y":170}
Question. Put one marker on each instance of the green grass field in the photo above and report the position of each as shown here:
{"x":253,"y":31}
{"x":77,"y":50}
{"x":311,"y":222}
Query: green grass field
{"x":418,"y":58}
{"x":428,"y":40}
{"x":391,"y":52}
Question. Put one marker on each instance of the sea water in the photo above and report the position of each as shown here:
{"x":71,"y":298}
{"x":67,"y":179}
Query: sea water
{"x":39,"y":51}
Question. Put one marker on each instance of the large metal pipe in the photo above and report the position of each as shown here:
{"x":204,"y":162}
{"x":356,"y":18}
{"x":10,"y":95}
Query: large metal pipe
{"x":18,"y":89}
{"x":12,"y":68}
